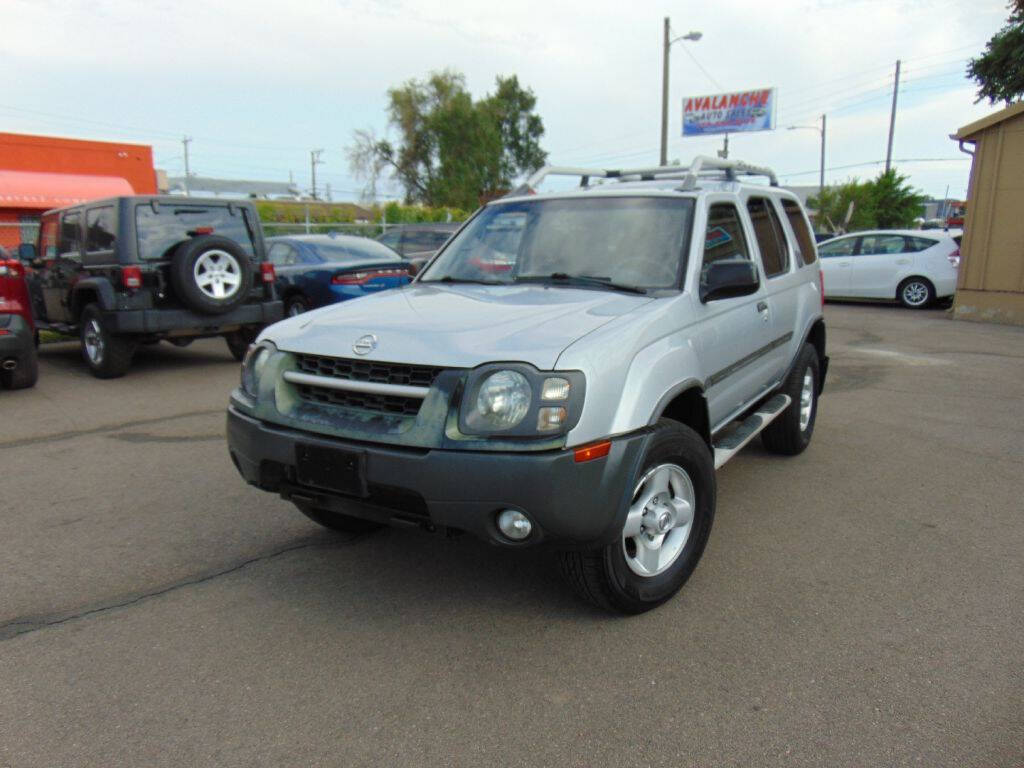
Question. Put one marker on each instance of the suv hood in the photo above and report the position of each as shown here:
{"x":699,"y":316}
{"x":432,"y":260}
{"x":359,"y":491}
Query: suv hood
{"x":456,"y":326}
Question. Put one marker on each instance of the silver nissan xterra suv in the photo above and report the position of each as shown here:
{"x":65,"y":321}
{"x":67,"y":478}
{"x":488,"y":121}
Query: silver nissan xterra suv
{"x":570,"y":369}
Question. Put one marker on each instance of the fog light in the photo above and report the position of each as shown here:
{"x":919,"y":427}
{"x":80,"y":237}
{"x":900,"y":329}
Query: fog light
{"x":549,"y":419}
{"x":514,"y":524}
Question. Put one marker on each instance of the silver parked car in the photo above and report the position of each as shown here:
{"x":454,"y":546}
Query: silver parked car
{"x":910,"y":266}
{"x":570,"y":369}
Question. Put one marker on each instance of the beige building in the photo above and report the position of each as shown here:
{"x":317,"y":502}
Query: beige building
{"x":991,"y":283}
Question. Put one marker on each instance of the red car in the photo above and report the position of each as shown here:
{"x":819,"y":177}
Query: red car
{"x":19,"y":367}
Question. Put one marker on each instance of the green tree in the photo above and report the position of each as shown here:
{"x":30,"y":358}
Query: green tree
{"x":896,"y":204}
{"x":999,"y":71}
{"x":453,"y":151}
{"x":886,"y":202}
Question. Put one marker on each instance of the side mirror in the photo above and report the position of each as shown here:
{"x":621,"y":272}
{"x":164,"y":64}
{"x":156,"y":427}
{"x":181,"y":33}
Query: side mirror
{"x":727,"y":279}
{"x":27,"y":252}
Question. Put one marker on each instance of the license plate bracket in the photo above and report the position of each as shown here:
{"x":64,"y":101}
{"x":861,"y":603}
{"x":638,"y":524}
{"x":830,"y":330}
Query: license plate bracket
{"x":331,"y":469}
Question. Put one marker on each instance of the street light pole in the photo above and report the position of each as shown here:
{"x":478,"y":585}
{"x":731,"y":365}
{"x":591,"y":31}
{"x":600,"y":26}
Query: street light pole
{"x":666,"y":44}
{"x":821,"y":130}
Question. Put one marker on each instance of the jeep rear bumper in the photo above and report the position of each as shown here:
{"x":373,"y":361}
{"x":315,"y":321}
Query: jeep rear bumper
{"x":568,"y":502}
{"x":164,"y":320}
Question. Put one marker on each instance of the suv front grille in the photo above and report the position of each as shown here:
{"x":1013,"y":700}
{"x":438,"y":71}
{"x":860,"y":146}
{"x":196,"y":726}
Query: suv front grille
{"x":365,"y":370}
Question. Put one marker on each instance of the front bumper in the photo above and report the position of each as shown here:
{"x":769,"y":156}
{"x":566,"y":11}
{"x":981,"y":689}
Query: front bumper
{"x":580,"y":503}
{"x":162,"y":320}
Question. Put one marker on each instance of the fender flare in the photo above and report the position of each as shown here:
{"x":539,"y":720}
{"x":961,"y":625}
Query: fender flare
{"x":98,"y":285}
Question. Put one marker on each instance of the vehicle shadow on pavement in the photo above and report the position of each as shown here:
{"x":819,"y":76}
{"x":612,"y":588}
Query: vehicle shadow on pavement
{"x":67,"y":355}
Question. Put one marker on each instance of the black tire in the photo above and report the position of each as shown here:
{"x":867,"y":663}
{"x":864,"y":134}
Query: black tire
{"x":222,"y":262}
{"x":108,"y":356}
{"x":296,"y":305}
{"x":785,"y":435}
{"x":239,"y":341}
{"x":25,"y":375}
{"x":916,"y":293}
{"x":605,"y":578}
{"x":337,"y":521}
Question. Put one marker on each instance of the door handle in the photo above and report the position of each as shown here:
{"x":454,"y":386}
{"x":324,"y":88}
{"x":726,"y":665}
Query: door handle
{"x":762,"y":306}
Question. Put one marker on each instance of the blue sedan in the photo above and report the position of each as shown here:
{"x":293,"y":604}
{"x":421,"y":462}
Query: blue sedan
{"x":316,"y":270}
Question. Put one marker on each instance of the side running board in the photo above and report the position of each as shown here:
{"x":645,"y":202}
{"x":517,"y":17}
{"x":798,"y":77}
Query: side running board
{"x":733,"y":442}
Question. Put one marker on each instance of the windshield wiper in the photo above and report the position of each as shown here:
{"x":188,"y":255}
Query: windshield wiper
{"x":561,"y":278}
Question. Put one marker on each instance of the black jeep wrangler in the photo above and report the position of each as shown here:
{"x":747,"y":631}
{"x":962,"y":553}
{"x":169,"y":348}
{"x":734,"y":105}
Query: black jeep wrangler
{"x":134,"y":270}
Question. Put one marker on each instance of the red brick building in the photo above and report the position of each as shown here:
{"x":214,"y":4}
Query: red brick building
{"x":42,"y":172}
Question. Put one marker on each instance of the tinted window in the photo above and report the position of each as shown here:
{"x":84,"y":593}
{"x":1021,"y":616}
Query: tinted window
{"x":423,"y":240}
{"x":160,"y":231}
{"x":881,"y":244}
{"x":916,"y":244}
{"x":70,"y":243}
{"x":99,"y":229}
{"x":770,"y":240}
{"x":628,"y":240}
{"x":798,"y":222}
{"x":361,"y":249}
{"x":842,"y":247}
{"x":390,"y":239}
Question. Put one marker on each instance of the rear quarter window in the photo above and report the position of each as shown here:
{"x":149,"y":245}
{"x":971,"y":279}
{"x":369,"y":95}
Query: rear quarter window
{"x":798,"y":222}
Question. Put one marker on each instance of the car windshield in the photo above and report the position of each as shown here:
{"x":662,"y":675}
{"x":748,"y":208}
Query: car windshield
{"x":362,"y":249}
{"x":161,"y":230}
{"x":617,"y":241}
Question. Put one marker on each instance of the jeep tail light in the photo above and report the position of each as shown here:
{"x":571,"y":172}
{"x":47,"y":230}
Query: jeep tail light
{"x":267,"y":272}
{"x":131,"y":278}
{"x":954,"y":258}
{"x":821,"y":287}
{"x":360,"y":278}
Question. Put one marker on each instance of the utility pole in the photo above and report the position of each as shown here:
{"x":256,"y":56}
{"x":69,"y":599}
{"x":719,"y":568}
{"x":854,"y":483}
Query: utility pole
{"x":821,"y":177}
{"x":186,"y":140}
{"x":724,"y":151}
{"x":666,"y":44}
{"x":314,"y":161}
{"x":892,"y":118}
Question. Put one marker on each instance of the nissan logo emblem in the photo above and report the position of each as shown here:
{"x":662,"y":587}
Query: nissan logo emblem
{"x":365,"y":344}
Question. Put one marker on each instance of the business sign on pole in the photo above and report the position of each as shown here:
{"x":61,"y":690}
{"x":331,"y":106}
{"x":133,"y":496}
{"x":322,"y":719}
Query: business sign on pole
{"x":729,"y":112}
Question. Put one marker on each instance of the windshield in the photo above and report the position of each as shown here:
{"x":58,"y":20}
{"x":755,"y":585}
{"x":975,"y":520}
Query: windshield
{"x":354,"y":251}
{"x":161,"y":230}
{"x":626,"y":241}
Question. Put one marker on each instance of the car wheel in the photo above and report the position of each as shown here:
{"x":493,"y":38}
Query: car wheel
{"x":211,"y":274}
{"x":666,"y":528}
{"x":296,"y":305}
{"x":791,"y":431}
{"x":238,"y":342}
{"x":337,"y":521}
{"x":915,"y":293}
{"x":25,"y":375}
{"x":108,"y":355}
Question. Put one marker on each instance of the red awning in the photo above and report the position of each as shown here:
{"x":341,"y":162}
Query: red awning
{"x":42,"y":191}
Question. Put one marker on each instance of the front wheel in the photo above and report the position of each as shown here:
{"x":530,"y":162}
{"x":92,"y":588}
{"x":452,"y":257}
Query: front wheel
{"x":666,"y":527}
{"x":238,"y":342}
{"x":108,"y":355}
{"x":296,"y":305}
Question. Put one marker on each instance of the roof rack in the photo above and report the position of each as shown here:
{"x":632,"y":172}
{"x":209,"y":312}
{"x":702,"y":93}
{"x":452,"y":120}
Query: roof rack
{"x":702,"y":166}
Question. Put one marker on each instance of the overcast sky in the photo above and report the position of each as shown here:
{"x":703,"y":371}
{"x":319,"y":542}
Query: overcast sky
{"x":257,"y":85}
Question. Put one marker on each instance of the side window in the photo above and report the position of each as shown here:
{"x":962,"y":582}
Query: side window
{"x":99,"y":229}
{"x":281,"y":255}
{"x":881,"y":244}
{"x":48,"y":239}
{"x":723,"y":239}
{"x":798,"y":222}
{"x":770,"y":240}
{"x":438,"y":238}
{"x":917,"y":244}
{"x":419,"y":240}
{"x":841,"y":247}
{"x":390,"y":239}
{"x":69,"y":244}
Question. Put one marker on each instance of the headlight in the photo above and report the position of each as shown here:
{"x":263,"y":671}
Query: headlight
{"x":517,"y":400}
{"x":253,"y":364}
{"x":502,"y":401}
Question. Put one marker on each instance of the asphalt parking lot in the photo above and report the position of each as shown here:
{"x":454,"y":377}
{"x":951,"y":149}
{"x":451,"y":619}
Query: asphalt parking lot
{"x":860,"y":604}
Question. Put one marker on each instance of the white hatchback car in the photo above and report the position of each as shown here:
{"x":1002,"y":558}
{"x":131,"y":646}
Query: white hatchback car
{"x":911,"y":266}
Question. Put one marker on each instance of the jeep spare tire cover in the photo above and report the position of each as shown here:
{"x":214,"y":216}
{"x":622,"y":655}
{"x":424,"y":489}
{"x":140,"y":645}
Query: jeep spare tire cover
{"x":211,"y":274}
